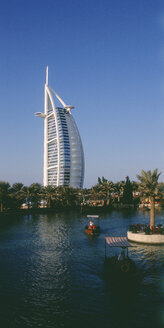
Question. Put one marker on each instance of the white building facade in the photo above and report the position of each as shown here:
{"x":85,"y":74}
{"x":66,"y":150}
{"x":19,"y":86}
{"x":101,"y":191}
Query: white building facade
{"x":63,"y":150}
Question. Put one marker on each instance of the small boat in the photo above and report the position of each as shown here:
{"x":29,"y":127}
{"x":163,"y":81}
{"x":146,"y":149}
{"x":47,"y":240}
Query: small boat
{"x":93,"y":227}
{"x":118,"y":266}
{"x":120,"y":272}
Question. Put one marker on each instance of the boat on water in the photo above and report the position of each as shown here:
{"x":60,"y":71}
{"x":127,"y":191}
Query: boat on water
{"x":118,"y":267}
{"x":120,"y":271}
{"x":92,"y":228}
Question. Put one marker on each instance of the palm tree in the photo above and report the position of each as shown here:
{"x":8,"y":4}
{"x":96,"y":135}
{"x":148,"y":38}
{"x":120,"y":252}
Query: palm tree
{"x":68,"y":196}
{"x":17,"y":196}
{"x":32,"y":194}
{"x":95,"y":193}
{"x":161,"y":191}
{"x":27,"y":194}
{"x":36,"y":193}
{"x":119,"y":188}
{"x":105,"y":188}
{"x":49,"y":194}
{"x":149,"y":187}
{"x":83,"y":195}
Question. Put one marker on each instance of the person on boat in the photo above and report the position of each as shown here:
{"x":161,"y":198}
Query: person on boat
{"x":91,"y":225}
{"x":121,"y":256}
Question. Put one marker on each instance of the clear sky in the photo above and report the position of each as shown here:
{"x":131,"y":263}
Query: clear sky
{"x":105,"y":57}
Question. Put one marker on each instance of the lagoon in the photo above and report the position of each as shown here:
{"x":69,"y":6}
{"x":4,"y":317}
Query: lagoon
{"x":51,"y":273}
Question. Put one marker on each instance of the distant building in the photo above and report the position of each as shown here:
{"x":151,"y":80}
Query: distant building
{"x":63,"y":151}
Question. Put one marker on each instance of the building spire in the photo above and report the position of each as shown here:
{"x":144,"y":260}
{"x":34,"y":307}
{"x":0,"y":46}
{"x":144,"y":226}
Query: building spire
{"x":47,"y":75}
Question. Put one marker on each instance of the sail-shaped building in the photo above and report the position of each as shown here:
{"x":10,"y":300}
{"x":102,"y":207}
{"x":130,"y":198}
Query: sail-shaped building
{"x":63,"y":150}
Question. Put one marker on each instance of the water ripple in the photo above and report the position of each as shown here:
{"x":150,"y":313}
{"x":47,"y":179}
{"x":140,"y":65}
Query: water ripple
{"x":52,"y":274}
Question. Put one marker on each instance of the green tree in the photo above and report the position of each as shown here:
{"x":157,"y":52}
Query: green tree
{"x":128,"y":192}
{"x":149,"y":187}
{"x":49,"y":194}
{"x":105,"y":188}
{"x":69,"y":197}
{"x":135,"y":189}
{"x":95,"y":193}
{"x":4,"y":194}
{"x":118,"y":189}
{"x":83,"y":195}
{"x":35,"y":191}
{"x":16,"y":194}
{"x":65,"y":196}
{"x":161,"y":191}
{"x":27,"y":195}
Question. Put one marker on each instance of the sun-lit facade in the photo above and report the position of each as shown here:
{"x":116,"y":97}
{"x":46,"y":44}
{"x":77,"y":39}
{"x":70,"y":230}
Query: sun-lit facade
{"x":63,"y":151}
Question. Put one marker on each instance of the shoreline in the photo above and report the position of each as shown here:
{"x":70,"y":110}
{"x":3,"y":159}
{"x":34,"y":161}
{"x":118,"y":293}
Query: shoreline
{"x":82,"y":209}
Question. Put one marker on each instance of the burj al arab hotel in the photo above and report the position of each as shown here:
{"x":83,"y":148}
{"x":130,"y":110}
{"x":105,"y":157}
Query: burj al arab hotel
{"x":63,"y":150}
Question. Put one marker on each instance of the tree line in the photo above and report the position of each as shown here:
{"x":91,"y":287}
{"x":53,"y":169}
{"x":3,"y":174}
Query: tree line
{"x":123,"y":192}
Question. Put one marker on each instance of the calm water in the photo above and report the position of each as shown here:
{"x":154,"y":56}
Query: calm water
{"x":51,"y":274}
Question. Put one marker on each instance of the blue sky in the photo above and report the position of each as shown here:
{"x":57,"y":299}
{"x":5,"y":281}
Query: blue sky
{"x":105,"y":57}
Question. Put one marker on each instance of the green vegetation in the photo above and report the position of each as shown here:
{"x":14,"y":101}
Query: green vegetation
{"x":127,"y":192}
{"x":4,"y":190}
{"x":105,"y":194}
{"x":149,"y":187}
